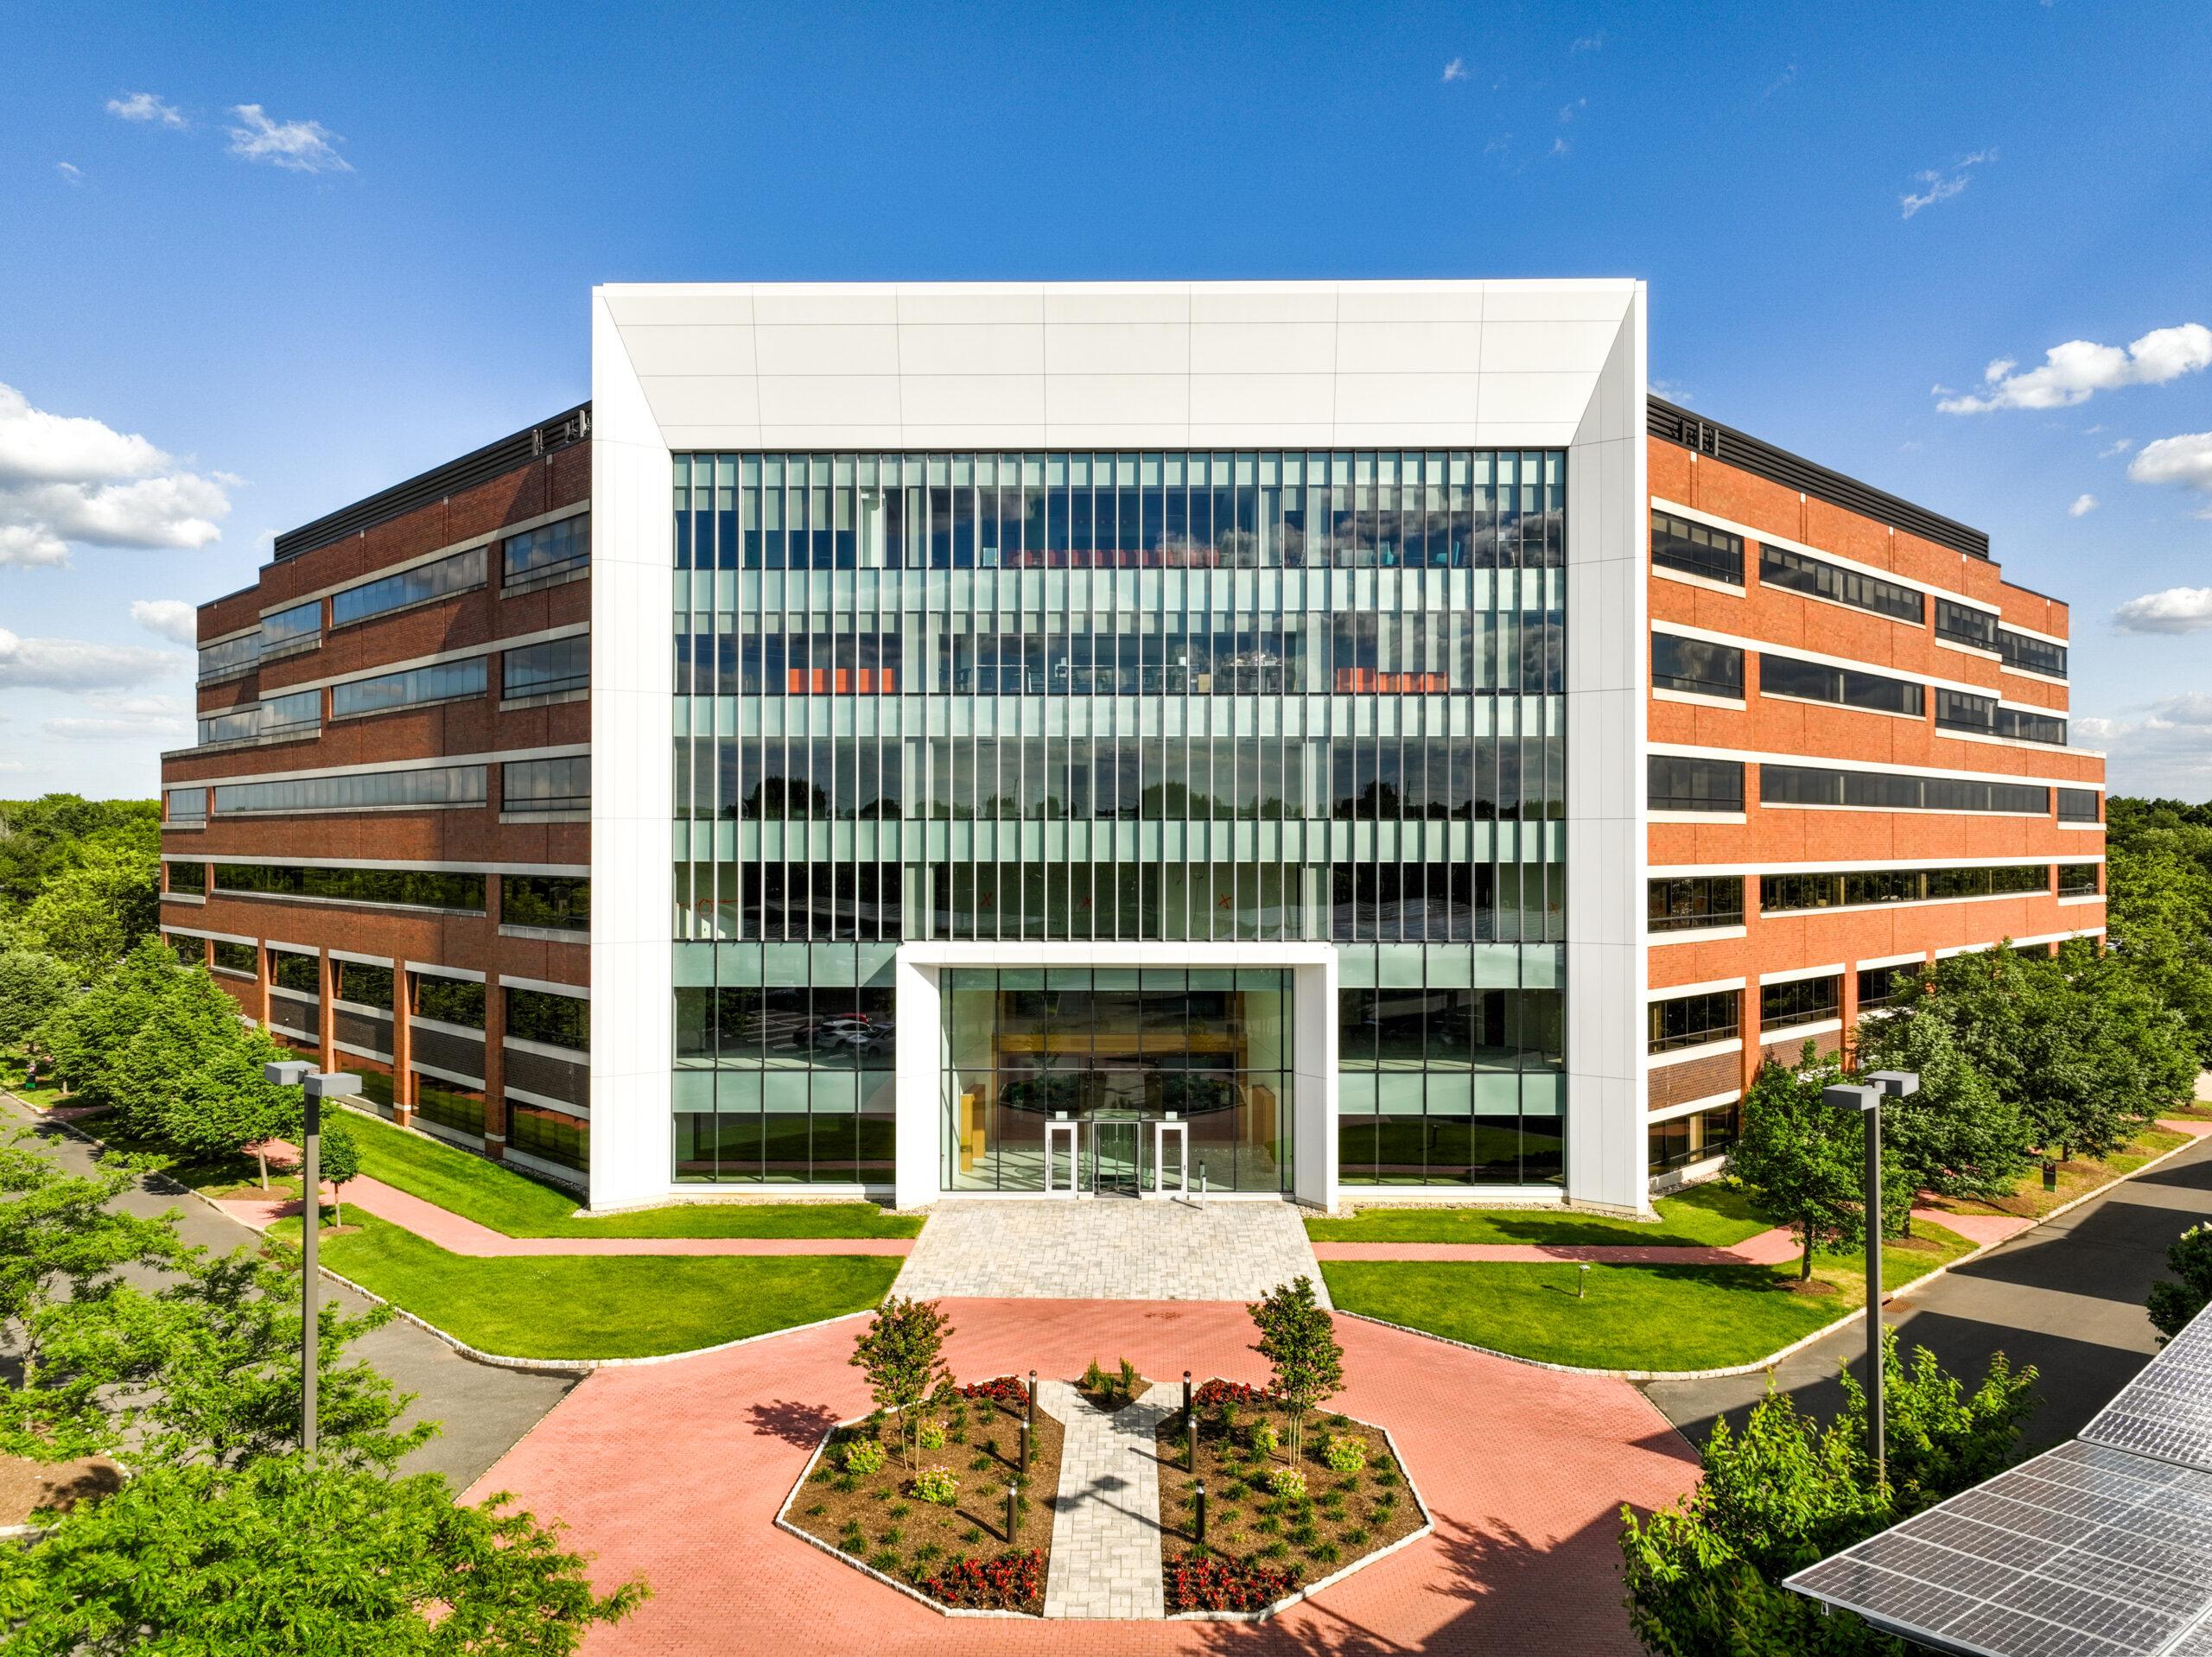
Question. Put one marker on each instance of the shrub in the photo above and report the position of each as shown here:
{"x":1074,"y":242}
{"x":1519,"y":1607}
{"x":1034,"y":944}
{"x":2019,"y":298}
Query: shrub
{"x":1126,"y":1382}
{"x":930,"y":1435}
{"x":1288,"y":1483}
{"x":1007,"y":1392}
{"x":936,"y":1484}
{"x":1007,"y":1583}
{"x":1344,"y":1454}
{"x":1199,"y":1582}
{"x":1093,"y":1378}
{"x":1215,"y":1393}
{"x":2173,"y":1304}
{"x":1265,"y":1439}
{"x":863,"y":1456}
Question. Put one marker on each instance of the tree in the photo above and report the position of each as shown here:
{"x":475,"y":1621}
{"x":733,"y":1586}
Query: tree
{"x":191,"y":1025}
{"x":1957,"y":1136}
{"x":2171,"y":1306}
{"x":224,"y":1104}
{"x":89,"y":915}
{"x":1803,"y":1163}
{"x":2158,"y":909}
{"x":283,"y":1555}
{"x":338,"y":1157}
{"x":1298,"y":1340}
{"x":902,"y":1349}
{"x":85,"y":1033}
{"x":1704,"y":1574}
{"x":32,"y":985}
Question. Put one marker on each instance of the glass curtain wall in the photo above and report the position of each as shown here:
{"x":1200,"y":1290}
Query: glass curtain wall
{"x":1066,"y":696}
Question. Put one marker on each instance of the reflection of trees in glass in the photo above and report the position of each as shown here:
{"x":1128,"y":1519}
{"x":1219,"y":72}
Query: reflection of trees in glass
{"x":786,"y":797}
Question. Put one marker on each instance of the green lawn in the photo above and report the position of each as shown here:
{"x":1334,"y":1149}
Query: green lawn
{"x":582,"y":1306}
{"x":519,"y":1206}
{"x":1712,"y":1215}
{"x":1634,"y":1317}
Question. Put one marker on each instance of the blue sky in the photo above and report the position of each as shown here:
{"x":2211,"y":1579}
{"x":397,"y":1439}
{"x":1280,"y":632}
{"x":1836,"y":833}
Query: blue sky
{"x":262,"y":260}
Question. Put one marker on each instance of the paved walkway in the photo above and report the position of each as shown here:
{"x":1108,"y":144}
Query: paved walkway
{"x":1768,"y":1248}
{"x":1109,"y":1250}
{"x":1106,"y":1517}
{"x":460,"y":1235}
{"x":676,"y":1470}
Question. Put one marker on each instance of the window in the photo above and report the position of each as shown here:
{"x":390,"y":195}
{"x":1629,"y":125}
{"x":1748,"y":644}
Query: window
{"x":1880,"y":986}
{"x":236,"y":957}
{"x":1689,"y":902}
{"x":1956,"y":711}
{"x":449,"y":1000}
{"x":290,"y":626}
{"x":188,"y":805}
{"x":447,"y":681}
{"x":2077,"y":879}
{"x":1678,"y":784}
{"x":1801,"y":574}
{"x":230,"y":658}
{"x":1802,"y":1000}
{"x":1693,"y":1020}
{"x":452,"y":1105}
{"x":1965,"y":625}
{"x":555,"y":901}
{"x":233,"y":726}
{"x":1699,"y":1136}
{"x":362,"y":984}
{"x":1810,"y":785}
{"x":2075,"y":805}
{"x":188,"y":877}
{"x":547,"y":670}
{"x":2031,"y":655}
{"x":290,"y":969}
{"x":416,"y":585}
{"x":414,"y":888}
{"x":296,"y":715}
{"x":1779,"y":893}
{"x":551,"y":550}
{"x":557,"y":1020}
{"x":434,"y":785}
{"x":546,"y":785}
{"x":549,"y":1135}
{"x":1697,"y":549}
{"x":1693,"y":665}
{"x":190,"y":951}
{"x":2023,"y":726}
{"x":1783,"y":676}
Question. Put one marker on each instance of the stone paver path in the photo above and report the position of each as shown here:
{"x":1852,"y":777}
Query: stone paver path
{"x":1106,"y":1518}
{"x":1108,"y":1249}
{"x":1768,"y":1248}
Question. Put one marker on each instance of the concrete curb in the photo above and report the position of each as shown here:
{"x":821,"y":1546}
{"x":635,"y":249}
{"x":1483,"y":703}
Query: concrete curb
{"x":1796,"y":1346}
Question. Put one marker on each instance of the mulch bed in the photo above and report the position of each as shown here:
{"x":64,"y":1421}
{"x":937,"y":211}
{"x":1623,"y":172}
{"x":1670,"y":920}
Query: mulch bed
{"x":1260,"y":1545}
{"x":59,"y":1486}
{"x":960,"y":1553}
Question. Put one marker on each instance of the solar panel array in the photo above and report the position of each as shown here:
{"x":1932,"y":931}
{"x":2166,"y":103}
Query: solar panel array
{"x":2099,"y":1548}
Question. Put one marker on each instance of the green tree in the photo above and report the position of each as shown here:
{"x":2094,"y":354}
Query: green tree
{"x":1803,"y":1163}
{"x":340,"y":1159}
{"x":281,"y":1556}
{"x":1704,"y":1574}
{"x":32,"y":985}
{"x":1957,"y":1136}
{"x":902,"y":1349}
{"x":39,"y":839}
{"x":2158,"y":911}
{"x":222,"y":1104}
{"x":2171,"y":1306}
{"x":1298,"y":1340}
{"x":89,"y":915}
{"x":191,"y":1026}
{"x":85,"y":1033}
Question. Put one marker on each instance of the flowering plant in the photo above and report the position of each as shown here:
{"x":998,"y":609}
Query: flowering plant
{"x":1343,"y":1453}
{"x":1199,"y":1583}
{"x":1287,"y":1482}
{"x":863,"y":1456}
{"x":1007,"y":1583}
{"x":1265,"y":1439}
{"x":1008,"y":1392}
{"x":930,"y":1435}
{"x":936,"y":1484}
{"x":1215,"y":1393}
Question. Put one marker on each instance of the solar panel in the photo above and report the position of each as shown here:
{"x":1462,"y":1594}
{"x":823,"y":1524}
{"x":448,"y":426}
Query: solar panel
{"x":2086,"y":1551}
{"x":2166,"y":1410}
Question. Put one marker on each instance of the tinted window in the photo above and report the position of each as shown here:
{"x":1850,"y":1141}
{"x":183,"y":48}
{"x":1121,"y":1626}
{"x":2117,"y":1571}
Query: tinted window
{"x":1692,"y":664}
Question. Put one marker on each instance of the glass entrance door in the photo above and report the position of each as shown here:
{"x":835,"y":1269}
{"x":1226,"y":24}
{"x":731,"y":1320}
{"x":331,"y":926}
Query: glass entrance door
{"x":1113,"y":1152}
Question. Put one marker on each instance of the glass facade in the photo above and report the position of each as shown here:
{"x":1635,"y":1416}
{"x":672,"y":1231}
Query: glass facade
{"x":1207,"y":697}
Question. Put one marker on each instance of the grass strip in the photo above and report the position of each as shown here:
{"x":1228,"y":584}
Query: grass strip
{"x":584,"y":1306}
{"x":1632,"y":1317}
{"x":1712,"y":1215}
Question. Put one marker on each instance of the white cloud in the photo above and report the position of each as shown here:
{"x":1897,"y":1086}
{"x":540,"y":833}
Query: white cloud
{"x":2083,"y":505}
{"x":2167,"y":752}
{"x":1941,"y":186}
{"x":69,"y":175}
{"x":145,"y":106}
{"x":112,"y":730}
{"x":2177,"y":610}
{"x":79,"y":665}
{"x":66,"y":477}
{"x":296,"y":146}
{"x":1588,"y":43}
{"x":109,"y":701}
{"x":2074,"y":371}
{"x":2186,"y":461}
{"x":1456,"y":70}
{"x":1567,"y":114}
{"x":173,"y":619}
{"x":2119,"y":447}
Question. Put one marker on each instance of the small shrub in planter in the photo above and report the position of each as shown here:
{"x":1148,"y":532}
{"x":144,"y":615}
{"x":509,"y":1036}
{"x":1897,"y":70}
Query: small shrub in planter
{"x":863,"y":1456}
{"x":936,"y":1484}
{"x":1288,"y":1482}
{"x":1008,"y":1392}
{"x":1265,"y":1440}
{"x":1007,"y":1583}
{"x":1344,"y":1454}
{"x":1215,"y":1393}
{"x":1199,"y":1582}
{"x":930,"y":1436}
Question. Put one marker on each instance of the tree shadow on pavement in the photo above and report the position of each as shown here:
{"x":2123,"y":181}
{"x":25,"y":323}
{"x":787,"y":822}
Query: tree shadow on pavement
{"x":801,"y":1425}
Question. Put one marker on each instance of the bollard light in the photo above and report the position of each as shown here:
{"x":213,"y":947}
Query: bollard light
{"x":1582,"y":1281}
{"x":1199,"y":1528}
{"x":1024,"y":1431}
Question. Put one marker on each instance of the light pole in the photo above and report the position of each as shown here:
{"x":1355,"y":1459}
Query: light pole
{"x":1866,"y":1100}
{"x":315,"y":1087}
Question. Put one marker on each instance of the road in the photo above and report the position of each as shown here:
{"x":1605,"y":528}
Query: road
{"x":2066,"y":1297}
{"x":483,"y":1410}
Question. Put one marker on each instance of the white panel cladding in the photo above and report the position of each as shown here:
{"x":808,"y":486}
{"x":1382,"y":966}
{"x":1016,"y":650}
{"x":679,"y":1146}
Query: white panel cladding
{"x":1605,"y":829}
{"x":633,"y":889}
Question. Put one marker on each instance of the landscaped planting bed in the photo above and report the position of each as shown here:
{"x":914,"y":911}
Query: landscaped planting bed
{"x":938,"y":1526}
{"x":1274,"y":1524}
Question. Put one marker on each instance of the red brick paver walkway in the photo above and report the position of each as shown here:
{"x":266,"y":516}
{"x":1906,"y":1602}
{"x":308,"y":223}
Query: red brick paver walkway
{"x":676,"y":1471}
